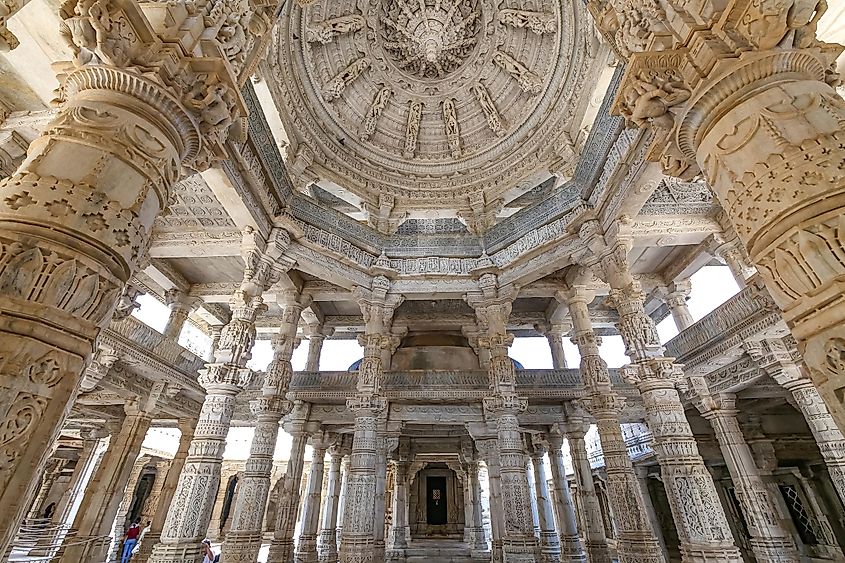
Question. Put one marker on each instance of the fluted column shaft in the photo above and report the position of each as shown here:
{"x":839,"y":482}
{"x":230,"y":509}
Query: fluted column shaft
{"x":96,"y":515}
{"x":168,"y":489}
{"x":595,"y":537}
{"x":341,"y":503}
{"x":636,"y":540}
{"x":327,"y":545}
{"x":281,"y":547}
{"x":555,"y":336}
{"x":315,"y":349}
{"x":474,"y":531}
{"x":306,"y":549}
{"x":532,"y":492}
{"x":549,"y":539}
{"x":703,"y":530}
{"x":769,"y":541}
{"x":399,"y":530}
{"x":676,"y":300}
{"x":488,"y":448}
{"x":571,"y":548}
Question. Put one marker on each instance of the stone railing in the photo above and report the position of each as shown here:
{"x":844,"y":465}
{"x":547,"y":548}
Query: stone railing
{"x":749,"y":314}
{"x":535,"y":384}
{"x":148,"y":351}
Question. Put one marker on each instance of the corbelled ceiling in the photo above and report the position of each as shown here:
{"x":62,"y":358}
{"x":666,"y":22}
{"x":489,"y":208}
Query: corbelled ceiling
{"x":456,"y":106}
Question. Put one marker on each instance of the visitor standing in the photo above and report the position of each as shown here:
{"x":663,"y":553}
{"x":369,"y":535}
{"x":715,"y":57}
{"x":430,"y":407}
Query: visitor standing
{"x":130,"y":540}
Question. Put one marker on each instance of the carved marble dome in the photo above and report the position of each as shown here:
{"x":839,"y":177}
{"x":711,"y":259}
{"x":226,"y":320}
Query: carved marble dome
{"x":428,"y":104}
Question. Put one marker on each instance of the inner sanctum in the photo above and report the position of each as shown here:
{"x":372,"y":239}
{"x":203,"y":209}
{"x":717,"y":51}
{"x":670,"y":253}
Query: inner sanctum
{"x":422,"y":281}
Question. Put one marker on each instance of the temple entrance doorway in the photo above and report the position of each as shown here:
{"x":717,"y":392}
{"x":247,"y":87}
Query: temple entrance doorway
{"x":437,"y":512}
{"x":436,"y":503}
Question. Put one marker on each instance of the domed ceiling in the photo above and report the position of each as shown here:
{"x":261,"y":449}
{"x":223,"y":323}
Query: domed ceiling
{"x":428,"y":104}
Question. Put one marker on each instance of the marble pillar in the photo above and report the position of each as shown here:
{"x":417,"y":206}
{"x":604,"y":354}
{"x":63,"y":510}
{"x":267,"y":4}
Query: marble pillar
{"x":306,"y":548}
{"x":341,"y":502}
{"x":488,"y":448}
{"x":571,"y":548}
{"x":492,"y":308}
{"x":555,"y":333}
{"x":549,"y":539}
{"x":636,"y":540}
{"x":532,"y":491}
{"x":642,"y":476}
{"x":768,"y":539}
{"x":243,"y":540}
{"x":171,"y":480}
{"x":181,"y":305}
{"x":104,"y":493}
{"x":703,"y":530}
{"x":676,"y":298}
{"x":327,"y":545}
{"x":75,"y":217}
{"x":282,"y":545}
{"x":809,"y":402}
{"x":763,"y":126}
{"x":386,"y":444}
{"x":190,"y":513}
{"x":474,"y":534}
{"x":358,"y":541}
{"x":595,"y":539}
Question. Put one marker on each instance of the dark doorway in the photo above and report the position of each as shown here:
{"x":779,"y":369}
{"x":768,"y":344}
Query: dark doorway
{"x":142,"y":492}
{"x":436,"y":514}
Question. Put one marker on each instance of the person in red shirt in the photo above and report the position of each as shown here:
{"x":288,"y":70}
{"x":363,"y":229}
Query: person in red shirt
{"x":130,"y":540}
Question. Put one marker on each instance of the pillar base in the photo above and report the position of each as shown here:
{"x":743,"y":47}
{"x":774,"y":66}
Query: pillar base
{"x":645,"y":550}
{"x":475,"y":538}
{"x":520,"y":551}
{"x":306,"y":550}
{"x":281,"y":551}
{"x":727,"y":554}
{"x":241,"y":546}
{"x":599,"y":552}
{"x":177,"y":553}
{"x":151,"y":539}
{"x":358,"y":553}
{"x":776,"y":551}
{"x":571,"y":550}
{"x":327,"y":546}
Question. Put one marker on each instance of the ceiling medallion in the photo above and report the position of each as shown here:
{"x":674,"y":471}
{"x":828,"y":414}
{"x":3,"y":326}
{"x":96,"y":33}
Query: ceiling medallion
{"x":429,"y":38}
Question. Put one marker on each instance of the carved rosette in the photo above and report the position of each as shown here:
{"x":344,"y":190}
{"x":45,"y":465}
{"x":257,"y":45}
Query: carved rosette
{"x":436,"y":96}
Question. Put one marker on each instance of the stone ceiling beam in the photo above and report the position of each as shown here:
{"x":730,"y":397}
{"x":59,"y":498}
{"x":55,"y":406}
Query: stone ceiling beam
{"x":191,"y":244}
{"x":166,"y":275}
{"x":228,"y":196}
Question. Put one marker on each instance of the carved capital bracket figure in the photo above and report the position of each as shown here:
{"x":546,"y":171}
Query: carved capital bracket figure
{"x":8,"y":8}
{"x":152,"y":90}
{"x":743,"y":93}
{"x":636,"y":541}
{"x":492,"y":306}
{"x":703,"y":528}
{"x":769,"y":540}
